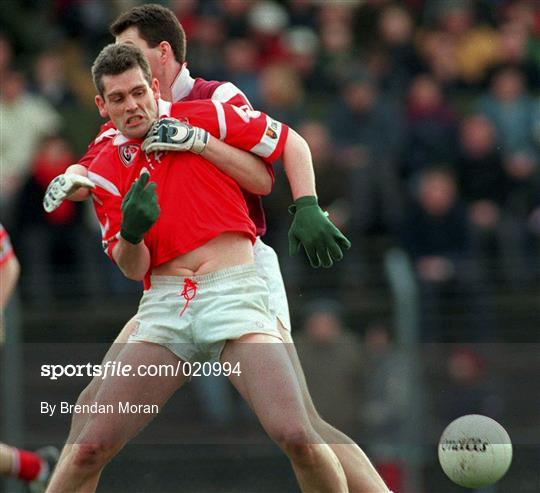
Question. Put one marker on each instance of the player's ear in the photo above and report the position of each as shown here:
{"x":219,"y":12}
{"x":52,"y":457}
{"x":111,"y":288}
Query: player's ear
{"x":100,"y":103}
{"x":155,"y":89}
{"x":165,"y":52}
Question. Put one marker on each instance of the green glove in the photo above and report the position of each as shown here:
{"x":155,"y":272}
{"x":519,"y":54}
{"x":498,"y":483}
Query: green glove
{"x":140,"y":210}
{"x":322,"y":241}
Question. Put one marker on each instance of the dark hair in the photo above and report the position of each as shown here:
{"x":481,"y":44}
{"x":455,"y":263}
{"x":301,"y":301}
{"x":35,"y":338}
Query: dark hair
{"x":155,"y":24}
{"x":116,"y":59}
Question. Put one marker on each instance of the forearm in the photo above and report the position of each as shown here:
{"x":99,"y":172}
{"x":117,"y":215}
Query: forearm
{"x":82,"y":193}
{"x":249,"y":171}
{"x":9,"y":274}
{"x":298,"y":166}
{"x":132,"y":260}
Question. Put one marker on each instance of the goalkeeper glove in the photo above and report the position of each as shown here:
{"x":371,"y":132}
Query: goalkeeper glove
{"x":140,"y":210}
{"x":62,"y":187}
{"x":322,"y":241}
{"x":170,"y":134}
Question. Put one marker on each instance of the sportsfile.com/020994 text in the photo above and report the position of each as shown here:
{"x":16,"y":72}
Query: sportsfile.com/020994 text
{"x":118,"y":369}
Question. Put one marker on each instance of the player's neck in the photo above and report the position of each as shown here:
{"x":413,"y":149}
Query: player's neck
{"x":170,"y":73}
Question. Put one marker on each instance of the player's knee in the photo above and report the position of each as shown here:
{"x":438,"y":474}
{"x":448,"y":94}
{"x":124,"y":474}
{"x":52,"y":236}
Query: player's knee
{"x":296,"y":442}
{"x":301,"y":453}
{"x":92,"y":456}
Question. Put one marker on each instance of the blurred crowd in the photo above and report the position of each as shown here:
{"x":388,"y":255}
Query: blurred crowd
{"x":423,"y":118}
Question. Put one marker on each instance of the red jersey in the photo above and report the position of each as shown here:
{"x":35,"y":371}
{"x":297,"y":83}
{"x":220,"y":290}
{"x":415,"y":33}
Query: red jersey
{"x":6,"y":250}
{"x":186,"y":88}
{"x":197,"y":200}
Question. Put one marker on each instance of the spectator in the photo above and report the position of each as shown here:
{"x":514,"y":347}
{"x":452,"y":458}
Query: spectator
{"x":366,"y":133}
{"x":205,"y":53}
{"x":26,"y":119}
{"x":281,"y":93}
{"x":266,"y":21}
{"x":430,"y":127}
{"x":302,"y":13}
{"x":336,"y":54}
{"x":302,"y":44}
{"x":476,"y":45}
{"x":514,"y":52}
{"x":241,"y":65}
{"x":330,"y":355}
{"x":402,"y":63}
{"x":479,"y":164}
{"x":62,"y":259}
{"x":50,"y":80}
{"x":483,"y":185}
{"x":511,"y":109}
{"x":437,"y":51}
{"x":186,"y":12}
{"x":234,"y":14}
{"x":436,"y":236}
{"x":468,"y":387}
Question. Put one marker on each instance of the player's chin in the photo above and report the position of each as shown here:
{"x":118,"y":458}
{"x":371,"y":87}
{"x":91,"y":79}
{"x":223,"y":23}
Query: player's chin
{"x":136,"y":131}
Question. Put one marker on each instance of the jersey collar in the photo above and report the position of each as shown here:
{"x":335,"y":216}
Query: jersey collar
{"x":182,"y":85}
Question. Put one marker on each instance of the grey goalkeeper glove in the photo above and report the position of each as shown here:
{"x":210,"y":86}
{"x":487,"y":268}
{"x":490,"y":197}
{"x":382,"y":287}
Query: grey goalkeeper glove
{"x":170,"y":134}
{"x":61,"y":187}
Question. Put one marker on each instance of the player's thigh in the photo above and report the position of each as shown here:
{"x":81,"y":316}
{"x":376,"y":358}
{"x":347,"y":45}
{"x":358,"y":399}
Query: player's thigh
{"x":90,"y":391}
{"x":291,"y":351}
{"x":298,"y":370}
{"x":130,"y":402}
{"x":267,"y":381}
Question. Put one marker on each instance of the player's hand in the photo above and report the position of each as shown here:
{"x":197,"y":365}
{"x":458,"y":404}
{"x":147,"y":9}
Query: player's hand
{"x":140,"y":210}
{"x":61,"y":187}
{"x":170,"y":134}
{"x":322,"y":241}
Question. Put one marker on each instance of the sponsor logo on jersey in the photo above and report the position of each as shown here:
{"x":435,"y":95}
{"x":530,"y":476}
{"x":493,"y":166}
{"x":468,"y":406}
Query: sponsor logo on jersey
{"x":128,"y":153}
{"x":271,"y":131}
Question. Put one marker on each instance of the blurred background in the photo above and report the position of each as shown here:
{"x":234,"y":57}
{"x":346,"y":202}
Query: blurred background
{"x":423,"y":118}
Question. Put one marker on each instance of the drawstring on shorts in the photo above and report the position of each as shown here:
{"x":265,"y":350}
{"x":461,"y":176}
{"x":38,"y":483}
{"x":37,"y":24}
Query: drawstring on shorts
{"x":188,"y":292}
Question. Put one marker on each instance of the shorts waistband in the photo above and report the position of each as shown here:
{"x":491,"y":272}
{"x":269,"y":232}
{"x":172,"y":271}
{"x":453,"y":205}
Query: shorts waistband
{"x":230,"y":273}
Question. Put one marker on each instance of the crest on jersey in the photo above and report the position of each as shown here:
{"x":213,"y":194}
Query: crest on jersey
{"x":128,"y":153}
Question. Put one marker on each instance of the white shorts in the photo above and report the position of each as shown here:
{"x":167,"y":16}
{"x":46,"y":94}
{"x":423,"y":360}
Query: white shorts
{"x":267,"y":264}
{"x":195,"y":316}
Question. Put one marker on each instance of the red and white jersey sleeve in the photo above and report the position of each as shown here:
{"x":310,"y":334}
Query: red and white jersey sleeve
{"x":107,"y":196}
{"x":6,"y":250}
{"x":106,"y":132}
{"x":252,"y":131}
{"x":249,"y":130}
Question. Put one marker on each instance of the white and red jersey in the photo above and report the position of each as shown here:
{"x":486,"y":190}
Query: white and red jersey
{"x":6,"y":250}
{"x":186,"y":88}
{"x":197,"y":200}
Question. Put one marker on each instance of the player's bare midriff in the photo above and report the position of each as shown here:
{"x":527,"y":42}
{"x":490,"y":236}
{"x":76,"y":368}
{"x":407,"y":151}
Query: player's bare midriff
{"x":225,"y":250}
